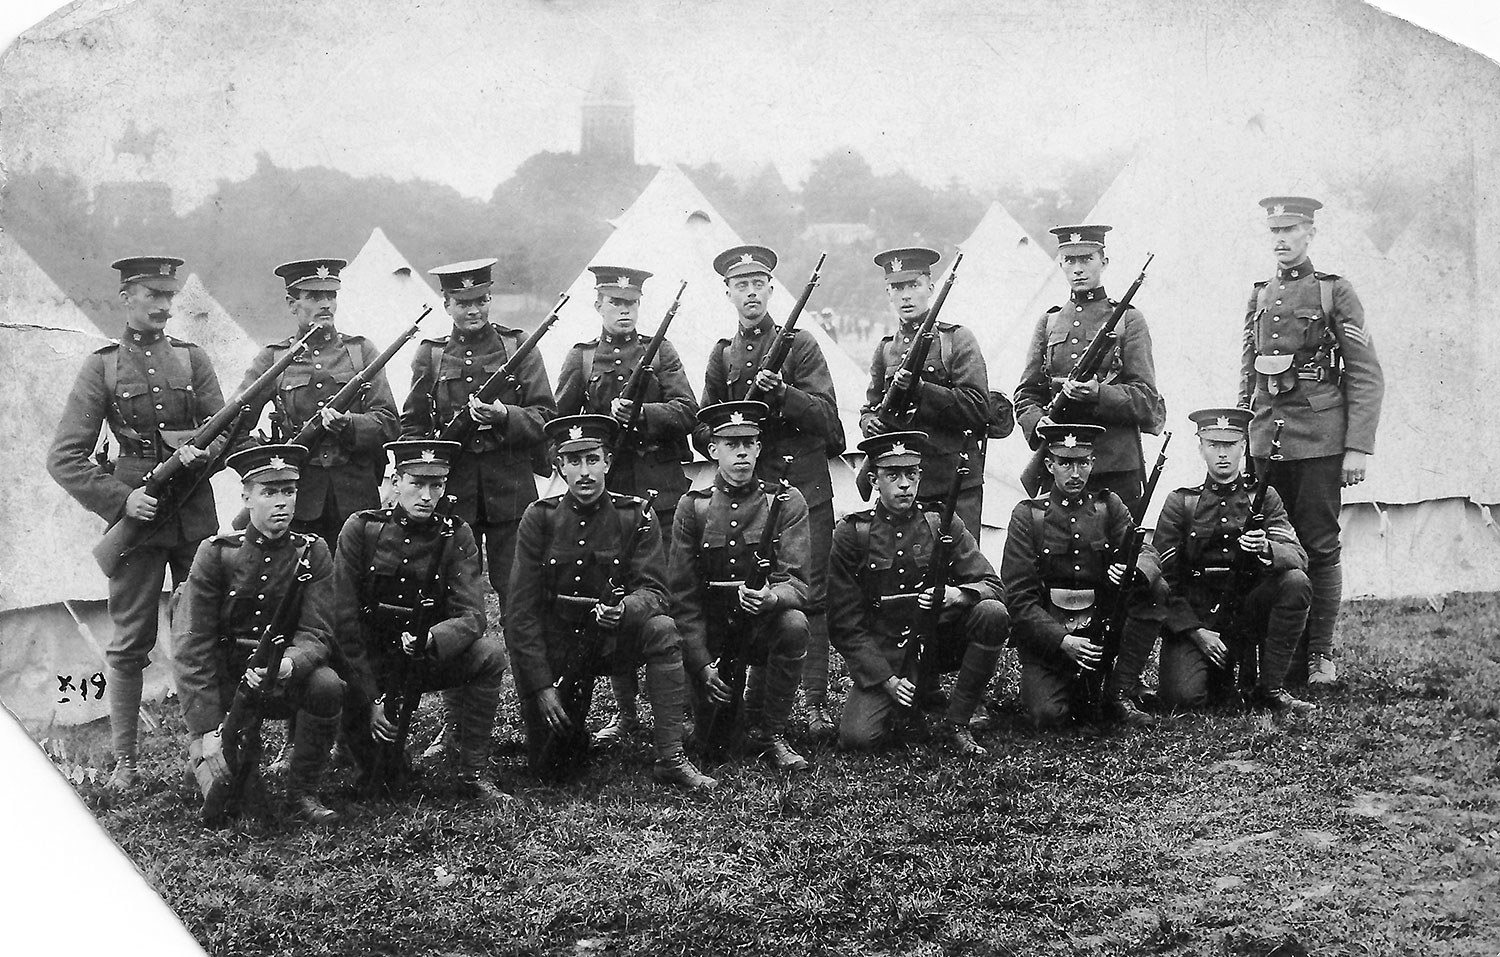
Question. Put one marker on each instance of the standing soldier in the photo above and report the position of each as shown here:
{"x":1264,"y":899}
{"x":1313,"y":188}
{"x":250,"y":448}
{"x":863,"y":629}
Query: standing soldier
{"x":572,"y":552}
{"x":594,"y":376}
{"x":153,"y":390}
{"x":342,"y":472}
{"x":1059,"y":553}
{"x":878,"y":592}
{"x":714,"y":543}
{"x":1309,"y":360}
{"x":953,"y":395}
{"x":803,"y":423}
{"x":1122,"y":399}
{"x":388,"y":562}
{"x":236,"y":585}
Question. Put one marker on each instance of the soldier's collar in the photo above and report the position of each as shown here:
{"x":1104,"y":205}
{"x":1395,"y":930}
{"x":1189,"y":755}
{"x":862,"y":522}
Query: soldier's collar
{"x":910,"y":325}
{"x":759,"y":329}
{"x":401,"y":517}
{"x":142,"y":337}
{"x":325,"y":334}
{"x":1090,"y":295}
{"x":584,"y":508}
{"x":469,"y":337}
{"x":623,"y":339}
{"x":1300,"y":271}
{"x":1226,"y":488}
{"x":897,"y":518}
{"x":254,"y":536}
{"x":1074,"y":501}
{"x":736,"y":491}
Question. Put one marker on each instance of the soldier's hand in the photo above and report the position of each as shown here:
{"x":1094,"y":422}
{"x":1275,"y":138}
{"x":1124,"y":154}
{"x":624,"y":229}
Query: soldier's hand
{"x":1255,"y":542}
{"x":413,"y":646}
{"x":211,"y":756}
{"x":875,"y":425}
{"x":1116,"y":573}
{"x":255,"y":677}
{"x":903,"y":379}
{"x":334,"y":419}
{"x":549,"y":706}
{"x":140,"y":506}
{"x":1212,"y":645}
{"x":608,"y":616}
{"x":1354,"y":467}
{"x":757,"y":602}
{"x":902,"y":691}
{"x":487,"y":413}
{"x":1086,"y":391}
{"x":718,"y":691}
{"x":770,"y":383}
{"x":192,"y":456}
{"x":620,"y":409}
{"x":952,"y":595}
{"x":1081,"y":650}
{"x":381,"y":727}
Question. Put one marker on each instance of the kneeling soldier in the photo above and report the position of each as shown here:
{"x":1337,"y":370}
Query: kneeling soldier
{"x":878,"y":589}
{"x":587,"y":598}
{"x":408,"y":595}
{"x":234,"y":591}
{"x":715,"y":538}
{"x":1200,"y":537}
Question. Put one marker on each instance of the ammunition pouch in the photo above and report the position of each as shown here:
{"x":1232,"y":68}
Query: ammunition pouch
{"x":1072,"y":607}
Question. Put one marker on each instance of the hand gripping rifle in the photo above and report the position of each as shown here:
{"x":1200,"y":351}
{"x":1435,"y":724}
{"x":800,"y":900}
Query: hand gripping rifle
{"x":775,"y":357}
{"x":461,"y":427}
{"x":313,"y":429}
{"x":635,"y":389}
{"x":170,"y":475}
{"x":733,"y":659}
{"x":241,"y":728}
{"x":388,"y":766}
{"x":564,"y":750}
{"x":1106,"y":630}
{"x":899,"y":401}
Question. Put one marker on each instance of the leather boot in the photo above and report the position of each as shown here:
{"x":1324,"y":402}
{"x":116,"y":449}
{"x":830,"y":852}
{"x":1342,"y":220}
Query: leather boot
{"x":125,"y":775}
{"x":666,"y":688}
{"x":627,"y":719}
{"x":1120,"y":709}
{"x":1280,"y":701}
{"x":957,"y":736}
{"x":311,"y":743}
{"x":473,"y":717}
{"x":1327,"y":593}
{"x":677,"y":769}
{"x":820,"y":725}
{"x":974,"y":676}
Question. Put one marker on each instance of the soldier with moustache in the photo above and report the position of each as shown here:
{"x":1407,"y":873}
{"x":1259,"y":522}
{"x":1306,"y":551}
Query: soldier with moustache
{"x":1309,"y":360}
{"x":153,"y":390}
{"x":717,"y":532}
{"x":237,"y":582}
{"x":1059,"y":553}
{"x":881,"y":562}
{"x":593,"y":379}
{"x":803,"y":424}
{"x":570,"y":551}
{"x":1122,"y":400}
{"x":384,"y":561}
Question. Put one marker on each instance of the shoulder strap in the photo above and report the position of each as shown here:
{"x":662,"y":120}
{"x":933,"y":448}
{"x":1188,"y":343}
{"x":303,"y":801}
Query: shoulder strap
{"x":111,"y":375}
{"x":586,"y":369}
{"x":1038,"y":526}
{"x":862,"y":530}
{"x":1325,"y":296}
{"x":435,"y":360}
{"x":356,"y":355}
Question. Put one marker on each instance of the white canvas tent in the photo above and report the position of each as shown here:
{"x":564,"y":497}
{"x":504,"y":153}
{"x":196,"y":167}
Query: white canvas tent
{"x":29,"y":295}
{"x":382,"y":295}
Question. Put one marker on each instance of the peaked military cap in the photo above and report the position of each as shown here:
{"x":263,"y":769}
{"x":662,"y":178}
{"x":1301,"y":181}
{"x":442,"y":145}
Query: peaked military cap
{"x":430,"y":457}
{"x":894,"y":449}
{"x":577,"y":433}
{"x":1070,"y":439}
{"x":470,"y":279}
{"x":153,"y":272}
{"x":619,"y":281}
{"x":907,"y":263}
{"x":312,"y":275}
{"x":727,"y":419}
{"x":1221,"y":423}
{"x":1289,"y":210}
{"x":1076,"y":240}
{"x":745,"y":260}
{"x":268,"y":463}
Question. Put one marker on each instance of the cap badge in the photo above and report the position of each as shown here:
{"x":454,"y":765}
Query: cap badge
{"x":736,"y":418}
{"x":898,"y":448}
{"x":895,"y":265}
{"x":1075,"y":237}
{"x":428,"y":455}
{"x":166,"y":269}
{"x":1222,"y":422}
{"x":1278,"y":210}
{"x":746,"y":258}
{"x":322,"y":272}
{"x":623,"y":282}
{"x":1070,"y":441}
{"x":575,"y":432}
{"x":277,"y":462}
{"x":467,"y":282}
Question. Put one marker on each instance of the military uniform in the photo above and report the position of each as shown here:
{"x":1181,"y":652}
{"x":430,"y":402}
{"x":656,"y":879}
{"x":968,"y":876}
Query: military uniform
{"x":1128,"y":403}
{"x":804,"y":424}
{"x":152,"y":390}
{"x":1309,"y":360}
{"x":881,"y":564}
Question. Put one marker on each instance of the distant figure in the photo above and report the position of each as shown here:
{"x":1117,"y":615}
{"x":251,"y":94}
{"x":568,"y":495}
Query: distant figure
{"x":830,"y":326}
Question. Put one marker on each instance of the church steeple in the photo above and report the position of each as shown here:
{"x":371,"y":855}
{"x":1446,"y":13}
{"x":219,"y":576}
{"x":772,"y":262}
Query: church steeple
{"x":608,"y":133}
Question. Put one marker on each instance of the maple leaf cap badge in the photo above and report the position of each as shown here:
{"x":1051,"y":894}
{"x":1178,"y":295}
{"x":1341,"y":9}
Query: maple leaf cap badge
{"x":895,"y":265}
{"x":1278,"y":210}
{"x":575,"y":432}
{"x":323,"y":272}
{"x":746,"y":258}
{"x":1222,"y":422}
{"x":428,"y":455}
{"x":277,"y":462}
{"x":468,"y":282}
{"x":166,"y":269}
{"x":1070,"y":441}
{"x":897,"y":448}
{"x":736,"y":418}
{"x":1075,"y":237}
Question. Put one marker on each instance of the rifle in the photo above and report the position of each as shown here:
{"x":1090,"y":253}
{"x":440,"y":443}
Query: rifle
{"x":719,"y":732}
{"x":562,"y":750}
{"x":903,"y":401}
{"x":775,"y":357}
{"x":241,"y":728}
{"x":1106,"y":630}
{"x":635,"y":389}
{"x":121,"y":538}
{"x":313,"y":429}
{"x":388,"y":766}
{"x":461,"y":427}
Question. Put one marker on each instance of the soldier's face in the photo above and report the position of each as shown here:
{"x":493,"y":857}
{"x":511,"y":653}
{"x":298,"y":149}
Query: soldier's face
{"x":751,"y":295}
{"x":736,"y":456}
{"x":1070,"y":474}
{"x":619,"y":313}
{"x":418,"y":495}
{"x":1224,"y":457}
{"x":898,"y":486}
{"x":313,"y":306}
{"x":1084,"y":271}
{"x":146,"y":309}
{"x":271,"y":505}
{"x":468,"y":315}
{"x":1289,"y":243}
{"x":584,"y":471}
{"x":910,"y":298}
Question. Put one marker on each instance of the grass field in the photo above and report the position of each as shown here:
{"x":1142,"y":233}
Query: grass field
{"x":1371,"y":828}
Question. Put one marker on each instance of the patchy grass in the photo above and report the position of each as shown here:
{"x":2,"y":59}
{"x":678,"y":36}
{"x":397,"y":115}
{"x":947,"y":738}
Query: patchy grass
{"x":1371,"y":828}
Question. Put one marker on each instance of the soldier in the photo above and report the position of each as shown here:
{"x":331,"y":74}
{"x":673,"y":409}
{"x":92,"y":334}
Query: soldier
{"x":237,"y":582}
{"x":804,"y":424}
{"x":1123,"y":398}
{"x":594,"y":376}
{"x":953,"y":397}
{"x":343,"y":470}
{"x":714,"y":541}
{"x":153,"y":390}
{"x":1199,"y":535}
{"x":571,"y":553}
{"x":387,"y":560}
{"x":881,"y":560}
{"x":1053,"y":567}
{"x":1308,"y":359}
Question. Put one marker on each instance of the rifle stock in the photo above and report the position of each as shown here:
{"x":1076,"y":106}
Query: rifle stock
{"x":635,"y":389}
{"x":899,"y":401}
{"x":461,"y":428}
{"x":776,"y":356}
{"x":313,"y":429}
